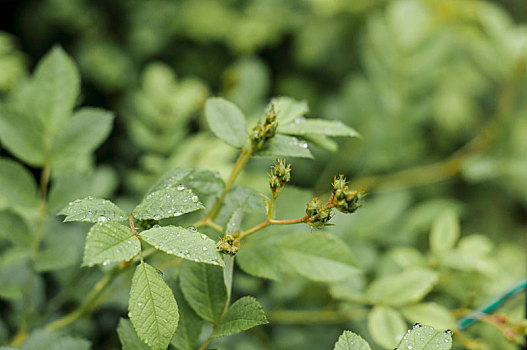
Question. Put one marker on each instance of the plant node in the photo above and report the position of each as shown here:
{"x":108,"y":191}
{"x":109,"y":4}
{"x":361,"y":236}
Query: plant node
{"x":228,"y":244}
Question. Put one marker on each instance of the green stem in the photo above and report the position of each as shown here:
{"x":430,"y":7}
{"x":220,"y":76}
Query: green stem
{"x":240,"y":162}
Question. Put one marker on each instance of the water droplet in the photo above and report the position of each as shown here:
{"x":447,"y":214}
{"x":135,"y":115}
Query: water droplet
{"x":89,"y":198}
{"x":157,"y":217}
{"x":156,"y":226}
{"x":416,"y":325}
{"x":106,"y":262}
{"x":448,"y":331}
{"x":181,"y":187}
{"x":303,"y":145}
{"x":70,"y":203}
{"x":204,"y":249}
{"x":102,"y":219}
{"x":410,"y":346}
{"x":130,"y":314}
{"x":90,"y":212}
{"x":193,"y":229}
{"x":177,"y":213}
{"x":447,"y":340}
{"x":195,"y":198}
{"x":298,"y":120}
{"x":139,"y":304}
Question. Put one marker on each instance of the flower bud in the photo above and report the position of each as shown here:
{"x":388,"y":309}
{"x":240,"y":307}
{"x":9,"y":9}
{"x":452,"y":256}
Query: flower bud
{"x":228,"y":244}
{"x":279,"y":176}
{"x":344,"y":199}
{"x":318,"y":216}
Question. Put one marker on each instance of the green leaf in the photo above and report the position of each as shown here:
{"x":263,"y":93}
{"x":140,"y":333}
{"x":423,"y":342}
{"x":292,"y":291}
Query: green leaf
{"x":386,"y":326}
{"x":445,"y":233}
{"x":226,"y":121}
{"x":55,"y":87}
{"x":260,"y":260}
{"x":302,"y":126}
{"x":110,"y":242}
{"x":185,"y":243}
{"x":251,"y":200}
{"x":47,"y":340}
{"x":287,"y":109}
{"x":406,"y":287}
{"x":431,"y":314}
{"x":323,"y":142}
{"x":93,"y":210}
{"x":318,"y":256}
{"x":204,"y":289}
{"x":424,"y":338}
{"x":166,"y":203}
{"x":128,"y":337}
{"x":83,"y":133}
{"x":17,"y":185}
{"x":190,"y":324}
{"x":55,"y":257}
{"x":285,"y":146}
{"x":23,"y":136}
{"x":171,"y":178}
{"x":244,"y":314}
{"x":152,"y":308}
{"x":351,"y":341}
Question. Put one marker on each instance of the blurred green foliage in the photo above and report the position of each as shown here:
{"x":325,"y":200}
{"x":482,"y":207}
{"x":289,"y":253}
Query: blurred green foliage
{"x":437,"y":90}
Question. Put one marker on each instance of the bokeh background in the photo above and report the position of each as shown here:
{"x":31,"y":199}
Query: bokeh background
{"x":437,"y":89}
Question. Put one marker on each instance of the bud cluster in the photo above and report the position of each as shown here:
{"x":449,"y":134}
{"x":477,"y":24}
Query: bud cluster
{"x":229,"y":245}
{"x":318,"y":214}
{"x":279,"y":176}
{"x":344,"y":199}
{"x":260,"y":134}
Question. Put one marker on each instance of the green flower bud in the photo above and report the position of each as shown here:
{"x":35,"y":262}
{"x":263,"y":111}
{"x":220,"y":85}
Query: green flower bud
{"x":279,"y":176}
{"x":318,"y":216}
{"x":344,"y":199}
{"x":229,"y":245}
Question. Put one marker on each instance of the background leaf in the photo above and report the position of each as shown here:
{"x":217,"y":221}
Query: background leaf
{"x":432,"y":314}
{"x":445,"y":233}
{"x":386,"y":326}
{"x":17,"y":185}
{"x":226,"y":121}
{"x":128,"y":336}
{"x":204,"y":289}
{"x":351,"y":341}
{"x":55,"y":87}
{"x":318,"y":256}
{"x":93,"y":210}
{"x":185,"y":243}
{"x":243,"y":314}
{"x":190,"y":324}
{"x":166,"y":203}
{"x":152,"y":308}
{"x":399,"y":289}
{"x":110,"y":242}
{"x":287,"y":109}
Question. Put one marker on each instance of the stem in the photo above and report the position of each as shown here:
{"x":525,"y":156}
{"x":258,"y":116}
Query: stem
{"x":240,"y":162}
{"x":271,"y":222}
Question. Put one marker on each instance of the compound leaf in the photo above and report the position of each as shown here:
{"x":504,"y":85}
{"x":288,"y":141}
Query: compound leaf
{"x":318,"y":256}
{"x":226,"y":121}
{"x":110,"y":242}
{"x":285,"y":146}
{"x":93,"y":210}
{"x":185,"y":243}
{"x":426,"y":337}
{"x":244,"y":314}
{"x":152,"y":308}
{"x":166,"y":203}
{"x":204,"y":289}
{"x":351,"y":341}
